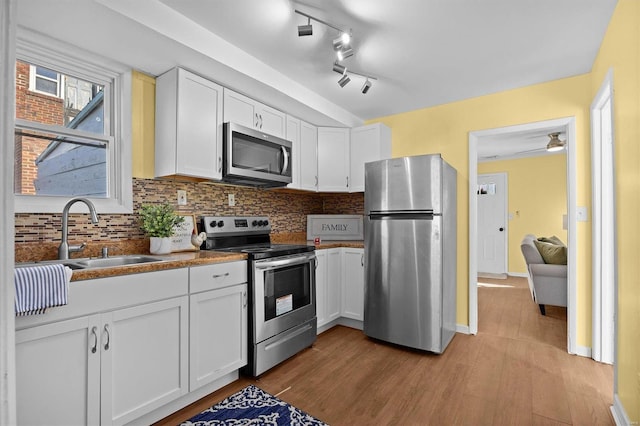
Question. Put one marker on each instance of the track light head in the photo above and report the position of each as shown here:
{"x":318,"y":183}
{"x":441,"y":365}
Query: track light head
{"x":366,"y":86}
{"x":344,"y":54}
{"x":342,"y":42}
{"x":340,"y":69}
{"x":305,"y":30}
{"x":344,"y":80}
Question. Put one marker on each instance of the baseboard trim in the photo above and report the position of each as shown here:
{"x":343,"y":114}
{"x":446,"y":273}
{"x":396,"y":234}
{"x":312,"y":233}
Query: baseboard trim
{"x":618,"y":412}
{"x":584,"y":351}
{"x":464,"y":329}
{"x":518,"y":274}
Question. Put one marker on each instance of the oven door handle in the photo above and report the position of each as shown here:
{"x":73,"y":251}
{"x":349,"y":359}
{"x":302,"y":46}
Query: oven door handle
{"x":297,"y":260}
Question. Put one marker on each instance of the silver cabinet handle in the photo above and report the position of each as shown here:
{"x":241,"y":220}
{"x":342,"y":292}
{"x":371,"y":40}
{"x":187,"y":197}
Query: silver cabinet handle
{"x":94,"y":331}
{"x":285,"y":154}
{"x":260,"y":115}
{"x":226,"y":274}
{"x":219,"y":164}
{"x":347,"y":181}
{"x":255,"y":114}
{"x":244,"y":295}
{"x":362,"y":259}
{"x":106,"y":330}
{"x":316,"y":181}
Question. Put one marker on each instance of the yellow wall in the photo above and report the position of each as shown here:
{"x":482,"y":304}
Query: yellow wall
{"x":537,"y":197}
{"x":143,"y":93}
{"x":445,"y":128}
{"x":620,"y":51}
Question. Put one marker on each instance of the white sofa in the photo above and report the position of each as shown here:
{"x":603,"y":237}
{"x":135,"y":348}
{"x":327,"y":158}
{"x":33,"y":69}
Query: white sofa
{"x":547,"y":282}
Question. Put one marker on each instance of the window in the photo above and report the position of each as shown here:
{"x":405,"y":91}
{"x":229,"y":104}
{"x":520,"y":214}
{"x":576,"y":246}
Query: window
{"x":44,"y":80}
{"x":72,"y":112}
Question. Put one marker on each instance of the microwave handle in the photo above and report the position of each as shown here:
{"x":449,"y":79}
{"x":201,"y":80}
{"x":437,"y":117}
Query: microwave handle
{"x":285,"y":154}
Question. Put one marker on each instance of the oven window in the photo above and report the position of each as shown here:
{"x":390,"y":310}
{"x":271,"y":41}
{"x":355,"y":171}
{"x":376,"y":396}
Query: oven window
{"x":286,"y":289}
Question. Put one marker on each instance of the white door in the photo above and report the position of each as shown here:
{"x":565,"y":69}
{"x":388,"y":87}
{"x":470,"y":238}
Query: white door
{"x":58,"y":373}
{"x":308,"y":157}
{"x":333,"y":159}
{"x":144,"y":359}
{"x":334,"y":284}
{"x":217,"y":334}
{"x":353,"y":283}
{"x":492,"y":223}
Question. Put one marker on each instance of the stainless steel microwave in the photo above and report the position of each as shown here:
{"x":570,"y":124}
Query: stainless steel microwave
{"x":254,"y":158}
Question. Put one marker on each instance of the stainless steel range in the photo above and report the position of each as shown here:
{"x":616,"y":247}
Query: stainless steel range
{"x":282,"y":288}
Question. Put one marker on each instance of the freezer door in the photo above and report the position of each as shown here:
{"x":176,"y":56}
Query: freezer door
{"x":403,"y":276}
{"x":408,"y":183}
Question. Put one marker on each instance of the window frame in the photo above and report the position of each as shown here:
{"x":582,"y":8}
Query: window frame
{"x":37,"y":49}
{"x":33,"y":76}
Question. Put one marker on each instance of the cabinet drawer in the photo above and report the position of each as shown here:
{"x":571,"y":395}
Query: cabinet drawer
{"x":211,"y":277}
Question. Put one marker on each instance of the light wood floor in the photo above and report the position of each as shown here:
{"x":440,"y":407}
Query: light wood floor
{"x":515,"y":371}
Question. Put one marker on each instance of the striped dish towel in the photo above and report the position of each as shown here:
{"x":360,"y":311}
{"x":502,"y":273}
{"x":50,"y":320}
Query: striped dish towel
{"x":40,"y":287}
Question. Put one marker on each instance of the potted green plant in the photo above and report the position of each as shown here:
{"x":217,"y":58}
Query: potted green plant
{"x":158,"y":221}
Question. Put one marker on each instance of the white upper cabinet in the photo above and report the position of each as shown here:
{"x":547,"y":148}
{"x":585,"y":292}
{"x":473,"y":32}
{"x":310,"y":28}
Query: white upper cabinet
{"x":368,"y":143}
{"x":188,"y":126}
{"x":308,"y":157}
{"x":333,"y":159}
{"x":293,"y":135}
{"x":247,"y":112}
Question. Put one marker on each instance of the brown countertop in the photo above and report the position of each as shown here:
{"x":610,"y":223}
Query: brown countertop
{"x":174,"y":260}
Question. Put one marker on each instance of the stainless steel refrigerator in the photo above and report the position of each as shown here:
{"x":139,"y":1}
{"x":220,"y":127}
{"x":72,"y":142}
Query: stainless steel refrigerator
{"x":410,"y":251}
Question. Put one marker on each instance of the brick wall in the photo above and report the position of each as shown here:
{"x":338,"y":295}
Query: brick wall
{"x":34,"y":107}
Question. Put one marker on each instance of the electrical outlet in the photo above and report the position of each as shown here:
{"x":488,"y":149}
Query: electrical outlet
{"x":182,"y":197}
{"x":232,"y":200}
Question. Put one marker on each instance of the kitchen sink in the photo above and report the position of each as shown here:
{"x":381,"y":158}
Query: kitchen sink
{"x":109,"y":262}
{"x":101,"y":262}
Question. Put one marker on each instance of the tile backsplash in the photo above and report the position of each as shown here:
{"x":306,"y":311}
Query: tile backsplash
{"x":287,"y":210}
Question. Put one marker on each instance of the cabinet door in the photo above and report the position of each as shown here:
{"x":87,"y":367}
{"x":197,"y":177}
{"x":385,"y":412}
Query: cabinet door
{"x":353,"y":283}
{"x":58,"y":373}
{"x":368,"y":143}
{"x":293,"y":135}
{"x":321,"y":287}
{"x":199,"y":145}
{"x":271,"y":121}
{"x":218,"y":334}
{"x":188,"y":126}
{"x":144,"y":359}
{"x":334,"y":283}
{"x":333,"y":159}
{"x":240,"y":109}
{"x":308,"y":157}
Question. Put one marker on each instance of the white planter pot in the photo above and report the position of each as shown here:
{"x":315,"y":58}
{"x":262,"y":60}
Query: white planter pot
{"x":160,"y":245}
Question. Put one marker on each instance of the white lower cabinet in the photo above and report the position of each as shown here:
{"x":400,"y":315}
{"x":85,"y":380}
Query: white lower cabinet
{"x":353,"y":283}
{"x":328,"y":285}
{"x":107,"y":368}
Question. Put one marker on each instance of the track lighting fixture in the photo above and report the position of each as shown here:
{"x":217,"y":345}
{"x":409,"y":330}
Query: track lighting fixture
{"x":366,"y":86}
{"x":344,"y":54}
{"x":555,"y":144}
{"x":305,"y":30}
{"x":342,"y":47}
{"x":344,"y":80}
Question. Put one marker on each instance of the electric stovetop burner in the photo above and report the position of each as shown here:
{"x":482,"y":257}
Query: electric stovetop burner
{"x":245,"y":234}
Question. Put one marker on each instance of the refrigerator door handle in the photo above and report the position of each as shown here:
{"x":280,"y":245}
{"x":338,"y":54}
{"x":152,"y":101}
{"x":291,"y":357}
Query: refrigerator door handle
{"x":402,"y":215}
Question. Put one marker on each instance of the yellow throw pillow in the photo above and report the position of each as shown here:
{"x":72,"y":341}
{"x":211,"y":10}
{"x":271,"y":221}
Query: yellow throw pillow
{"x":552,"y":253}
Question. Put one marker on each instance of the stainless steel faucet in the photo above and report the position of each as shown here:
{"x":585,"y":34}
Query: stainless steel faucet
{"x":64,"y":249}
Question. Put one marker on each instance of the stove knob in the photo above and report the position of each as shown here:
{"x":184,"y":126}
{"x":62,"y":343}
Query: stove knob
{"x":220,"y":224}
{"x":213,"y":224}
{"x":266,"y":222}
{"x":261,"y":222}
{"x":254,"y":223}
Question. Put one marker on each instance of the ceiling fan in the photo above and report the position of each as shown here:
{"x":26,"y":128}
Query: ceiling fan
{"x":554,"y":144}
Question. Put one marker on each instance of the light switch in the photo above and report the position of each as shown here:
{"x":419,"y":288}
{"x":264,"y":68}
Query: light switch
{"x":232,"y":200}
{"x":581,"y":214}
{"x":182,"y":197}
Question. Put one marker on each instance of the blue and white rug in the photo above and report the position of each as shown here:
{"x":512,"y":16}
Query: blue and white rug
{"x":252,"y":406}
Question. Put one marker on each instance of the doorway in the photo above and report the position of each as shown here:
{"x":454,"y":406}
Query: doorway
{"x":492,"y":225}
{"x":566,"y":126}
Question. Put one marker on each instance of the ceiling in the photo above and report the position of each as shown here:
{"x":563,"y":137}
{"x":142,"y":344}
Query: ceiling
{"x":423,"y":52}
